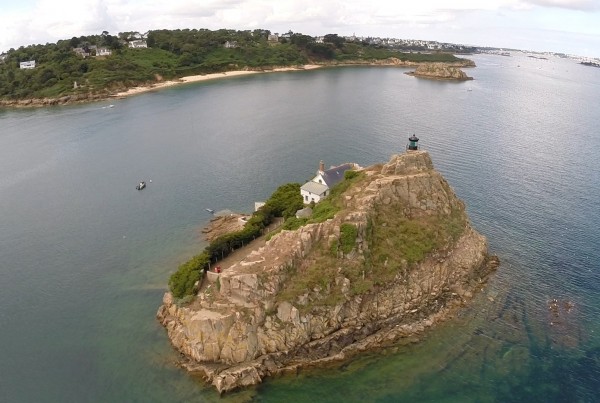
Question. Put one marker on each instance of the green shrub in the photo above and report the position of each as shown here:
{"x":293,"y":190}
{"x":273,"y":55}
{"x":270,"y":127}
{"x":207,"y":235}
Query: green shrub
{"x":285,"y":201}
{"x":293,"y":223}
{"x":348,"y":234}
{"x":323,"y":211}
{"x":182,"y":281}
{"x":351,"y":174}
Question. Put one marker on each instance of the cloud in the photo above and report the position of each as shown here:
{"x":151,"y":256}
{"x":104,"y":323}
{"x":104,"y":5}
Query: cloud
{"x":584,"y":5}
{"x":51,"y":20}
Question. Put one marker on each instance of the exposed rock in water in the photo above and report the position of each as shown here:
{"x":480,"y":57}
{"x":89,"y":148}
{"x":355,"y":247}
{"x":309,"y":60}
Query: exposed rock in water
{"x":298,"y":301}
{"x":439,"y":71}
{"x":224,"y":224}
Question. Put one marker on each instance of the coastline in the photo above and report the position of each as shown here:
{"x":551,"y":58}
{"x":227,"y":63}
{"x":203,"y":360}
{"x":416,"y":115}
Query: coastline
{"x":140,"y":89}
{"x":206,"y":77}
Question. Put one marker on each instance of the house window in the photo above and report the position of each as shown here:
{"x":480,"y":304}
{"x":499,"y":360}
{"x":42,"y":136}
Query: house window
{"x":305,"y":197}
{"x":320,"y":181}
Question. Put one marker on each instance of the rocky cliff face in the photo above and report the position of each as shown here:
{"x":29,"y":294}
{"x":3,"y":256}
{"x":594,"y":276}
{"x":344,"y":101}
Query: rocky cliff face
{"x":440,"y":71}
{"x":248,"y":325}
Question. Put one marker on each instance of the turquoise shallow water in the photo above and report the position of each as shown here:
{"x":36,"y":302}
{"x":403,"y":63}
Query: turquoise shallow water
{"x":84,"y":258}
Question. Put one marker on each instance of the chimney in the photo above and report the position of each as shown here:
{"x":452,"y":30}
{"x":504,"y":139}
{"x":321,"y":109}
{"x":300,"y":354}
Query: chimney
{"x":321,"y":166}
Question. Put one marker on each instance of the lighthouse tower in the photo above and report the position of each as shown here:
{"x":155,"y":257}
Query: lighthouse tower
{"x":412,"y":143}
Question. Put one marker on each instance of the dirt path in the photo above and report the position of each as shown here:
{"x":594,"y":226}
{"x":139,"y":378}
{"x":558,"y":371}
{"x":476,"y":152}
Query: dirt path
{"x":240,"y":253}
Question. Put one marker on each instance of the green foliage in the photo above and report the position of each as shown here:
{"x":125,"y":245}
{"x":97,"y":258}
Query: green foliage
{"x":348,"y":234}
{"x":323,"y":211}
{"x":351,"y":174}
{"x":293,"y":223}
{"x":334,"y":39}
{"x":285,"y":201}
{"x":182,"y":281}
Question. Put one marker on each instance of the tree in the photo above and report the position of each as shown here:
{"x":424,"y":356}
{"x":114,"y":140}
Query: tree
{"x":334,"y":39}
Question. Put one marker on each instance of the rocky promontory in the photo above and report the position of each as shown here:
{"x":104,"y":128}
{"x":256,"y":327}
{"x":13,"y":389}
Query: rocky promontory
{"x":439,"y":71}
{"x":317,"y":294}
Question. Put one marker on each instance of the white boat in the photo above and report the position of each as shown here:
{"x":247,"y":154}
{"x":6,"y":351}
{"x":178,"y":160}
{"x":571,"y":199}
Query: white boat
{"x":210,"y":210}
{"x":141,"y":185}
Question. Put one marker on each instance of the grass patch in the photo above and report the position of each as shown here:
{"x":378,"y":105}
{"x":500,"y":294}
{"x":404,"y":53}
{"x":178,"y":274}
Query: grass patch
{"x":396,"y":242}
{"x":348,"y":234}
{"x":317,"y":274}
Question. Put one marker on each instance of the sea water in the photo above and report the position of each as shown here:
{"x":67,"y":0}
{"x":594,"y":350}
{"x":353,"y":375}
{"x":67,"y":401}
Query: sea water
{"x":85,"y":257}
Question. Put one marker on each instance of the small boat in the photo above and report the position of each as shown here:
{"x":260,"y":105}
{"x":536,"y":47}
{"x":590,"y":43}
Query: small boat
{"x":141,"y":185}
{"x":210,"y":210}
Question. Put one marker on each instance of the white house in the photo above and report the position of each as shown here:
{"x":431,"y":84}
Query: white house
{"x":231,"y":44}
{"x":320,"y":186}
{"x":137,"y":44}
{"x":3,"y":57}
{"x":30,"y":64}
{"x":103,"y":52}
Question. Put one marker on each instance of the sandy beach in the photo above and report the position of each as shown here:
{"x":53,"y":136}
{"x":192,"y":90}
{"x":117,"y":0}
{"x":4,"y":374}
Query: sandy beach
{"x":205,"y":77}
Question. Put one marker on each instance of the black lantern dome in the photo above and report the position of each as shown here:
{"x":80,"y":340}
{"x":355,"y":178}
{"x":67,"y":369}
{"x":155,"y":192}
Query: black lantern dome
{"x":413,"y":143}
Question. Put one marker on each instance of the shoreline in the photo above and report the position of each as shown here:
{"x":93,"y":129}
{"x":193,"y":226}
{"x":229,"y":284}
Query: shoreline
{"x":206,"y":77}
{"x":154,"y":86}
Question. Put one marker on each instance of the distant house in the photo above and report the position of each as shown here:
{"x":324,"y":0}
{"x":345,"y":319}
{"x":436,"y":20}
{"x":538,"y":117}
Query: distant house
{"x":103,"y":52}
{"x":273,"y":38}
{"x":320,"y":186}
{"x":3,"y":57}
{"x":138,"y":44}
{"x":30,"y":64}
{"x":230,"y":44}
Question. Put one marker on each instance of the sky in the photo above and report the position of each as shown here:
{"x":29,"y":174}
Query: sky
{"x":566,"y":26}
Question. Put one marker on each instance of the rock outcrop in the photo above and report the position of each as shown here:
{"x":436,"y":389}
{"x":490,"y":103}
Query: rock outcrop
{"x":440,"y":71}
{"x":250,"y":324}
{"x":42,"y":102}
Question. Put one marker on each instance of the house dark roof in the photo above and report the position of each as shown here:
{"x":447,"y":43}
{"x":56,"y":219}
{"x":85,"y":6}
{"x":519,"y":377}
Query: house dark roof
{"x":334,"y":175}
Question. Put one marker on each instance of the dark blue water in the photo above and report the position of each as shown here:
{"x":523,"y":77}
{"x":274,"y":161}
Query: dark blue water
{"x":85,"y":258}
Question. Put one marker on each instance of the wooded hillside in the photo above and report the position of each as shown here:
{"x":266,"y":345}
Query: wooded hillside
{"x":77,"y":66}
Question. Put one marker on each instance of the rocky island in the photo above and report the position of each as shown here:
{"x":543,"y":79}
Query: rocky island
{"x":397,"y":258}
{"x":439,"y":71}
